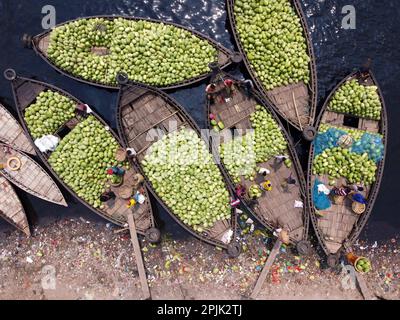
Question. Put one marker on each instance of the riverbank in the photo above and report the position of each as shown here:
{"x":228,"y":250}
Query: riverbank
{"x":77,"y":259}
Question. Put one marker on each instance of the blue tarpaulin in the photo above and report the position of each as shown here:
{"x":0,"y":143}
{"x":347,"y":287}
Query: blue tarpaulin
{"x":371,"y":144}
{"x":321,"y":200}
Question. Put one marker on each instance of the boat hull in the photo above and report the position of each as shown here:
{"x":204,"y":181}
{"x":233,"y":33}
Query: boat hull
{"x":351,"y":224}
{"x":275,"y":208}
{"x":133,"y":92}
{"x":223,"y":53}
{"x":281,"y":98}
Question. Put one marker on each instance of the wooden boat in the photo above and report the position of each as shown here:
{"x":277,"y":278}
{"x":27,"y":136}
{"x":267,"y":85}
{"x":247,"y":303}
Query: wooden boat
{"x":29,"y":176}
{"x":275,"y":209}
{"x":12,"y":133}
{"x":142,"y":109}
{"x":42,"y":42}
{"x":11,"y":208}
{"x":26,"y":92}
{"x":295,"y":102}
{"x":339,"y":226}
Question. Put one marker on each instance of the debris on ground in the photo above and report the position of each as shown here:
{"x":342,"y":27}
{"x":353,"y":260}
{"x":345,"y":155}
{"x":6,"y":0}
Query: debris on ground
{"x":90,"y":261}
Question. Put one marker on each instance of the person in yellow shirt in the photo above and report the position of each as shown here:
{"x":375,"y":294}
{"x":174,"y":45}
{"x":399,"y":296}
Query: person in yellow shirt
{"x":266,"y":185}
{"x":131,"y":203}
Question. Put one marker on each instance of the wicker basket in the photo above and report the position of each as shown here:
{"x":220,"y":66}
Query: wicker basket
{"x":356,"y":263}
{"x":358,"y":208}
{"x":118,"y":184}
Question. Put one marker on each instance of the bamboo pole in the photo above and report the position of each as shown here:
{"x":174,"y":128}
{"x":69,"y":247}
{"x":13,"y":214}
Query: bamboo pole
{"x":365,"y":291}
{"x":139,"y":258}
{"x":297,"y":111}
{"x":261,"y":279}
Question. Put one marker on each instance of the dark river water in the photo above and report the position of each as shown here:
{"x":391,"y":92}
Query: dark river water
{"x":338,"y":52}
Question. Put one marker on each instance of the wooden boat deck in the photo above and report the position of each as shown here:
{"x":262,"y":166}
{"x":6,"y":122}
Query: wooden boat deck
{"x":275,"y":208}
{"x":26,"y":91}
{"x":337,"y":119}
{"x":143,"y":115}
{"x":12,"y":133}
{"x":293,"y":102}
{"x":31,"y":177}
{"x":11,"y":208}
{"x":146,"y":116}
{"x":339,"y":223}
{"x":117,"y":209}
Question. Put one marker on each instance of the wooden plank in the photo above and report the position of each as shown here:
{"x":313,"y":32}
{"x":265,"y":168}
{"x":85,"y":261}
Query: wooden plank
{"x":261,"y":279}
{"x":139,"y":258}
{"x":365,"y":291}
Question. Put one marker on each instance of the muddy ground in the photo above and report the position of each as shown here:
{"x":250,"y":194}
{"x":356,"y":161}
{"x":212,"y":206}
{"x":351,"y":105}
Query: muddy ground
{"x":77,"y":259}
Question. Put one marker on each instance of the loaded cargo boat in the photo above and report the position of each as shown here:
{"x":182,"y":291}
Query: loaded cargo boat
{"x":162,"y":54}
{"x":83,"y":153}
{"x":170,"y":152}
{"x":346,"y":162}
{"x":274,"y":39}
{"x":258,"y":156}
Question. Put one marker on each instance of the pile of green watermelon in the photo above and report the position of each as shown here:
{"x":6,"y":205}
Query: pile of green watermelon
{"x":183,"y":173}
{"x":339,"y":162}
{"x":49,"y":112}
{"x":273,"y":39}
{"x":363,"y":265}
{"x":149,"y":52}
{"x":241,"y":154}
{"x":82,"y":158}
{"x":356,"y":99}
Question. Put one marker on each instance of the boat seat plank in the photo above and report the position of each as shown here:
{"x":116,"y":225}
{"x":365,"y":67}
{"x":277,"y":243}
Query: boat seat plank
{"x":218,"y":229}
{"x":369,"y":125}
{"x":337,"y":119}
